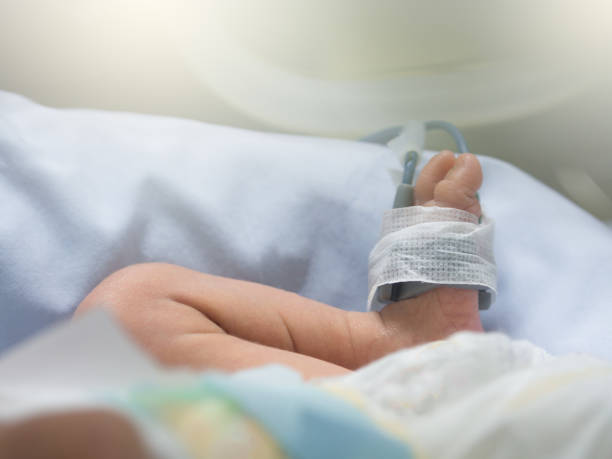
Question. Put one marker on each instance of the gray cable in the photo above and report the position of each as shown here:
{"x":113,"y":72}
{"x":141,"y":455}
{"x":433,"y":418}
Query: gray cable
{"x":383,"y":137}
{"x":452,"y":130}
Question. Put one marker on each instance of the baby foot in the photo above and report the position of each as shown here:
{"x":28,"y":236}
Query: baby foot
{"x":445,"y":181}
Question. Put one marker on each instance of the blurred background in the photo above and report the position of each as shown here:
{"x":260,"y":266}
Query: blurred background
{"x":529,"y":82}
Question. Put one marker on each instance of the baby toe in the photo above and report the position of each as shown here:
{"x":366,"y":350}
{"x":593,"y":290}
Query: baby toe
{"x":459,"y":187}
{"x":433,"y":172}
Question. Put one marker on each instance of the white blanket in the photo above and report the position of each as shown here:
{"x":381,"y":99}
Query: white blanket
{"x":85,"y":193}
{"x":486,"y":396}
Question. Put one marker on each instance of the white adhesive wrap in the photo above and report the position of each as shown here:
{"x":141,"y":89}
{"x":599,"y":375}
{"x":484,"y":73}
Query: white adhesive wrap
{"x":433,"y":245}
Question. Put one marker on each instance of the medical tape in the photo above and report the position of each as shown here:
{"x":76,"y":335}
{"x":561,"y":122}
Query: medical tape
{"x":432,"y":246}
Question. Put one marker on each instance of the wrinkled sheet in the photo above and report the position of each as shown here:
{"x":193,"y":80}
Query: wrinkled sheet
{"x":85,"y":193}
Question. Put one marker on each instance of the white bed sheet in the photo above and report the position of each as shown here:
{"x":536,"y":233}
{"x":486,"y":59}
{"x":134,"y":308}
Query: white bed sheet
{"x":85,"y":193}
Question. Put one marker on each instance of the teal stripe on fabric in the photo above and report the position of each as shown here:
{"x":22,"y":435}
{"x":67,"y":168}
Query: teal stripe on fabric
{"x":306,"y":421}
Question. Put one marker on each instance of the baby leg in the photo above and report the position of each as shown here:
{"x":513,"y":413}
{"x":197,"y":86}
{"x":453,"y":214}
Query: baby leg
{"x":183,"y":317}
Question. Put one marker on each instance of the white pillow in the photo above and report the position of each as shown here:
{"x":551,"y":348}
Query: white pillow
{"x":85,"y":193}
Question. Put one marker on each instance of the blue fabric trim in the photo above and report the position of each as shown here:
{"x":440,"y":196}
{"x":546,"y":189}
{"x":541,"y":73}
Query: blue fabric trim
{"x":306,"y":421}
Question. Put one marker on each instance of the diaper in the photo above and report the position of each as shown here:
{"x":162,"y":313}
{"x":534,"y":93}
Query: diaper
{"x":421,"y":248}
